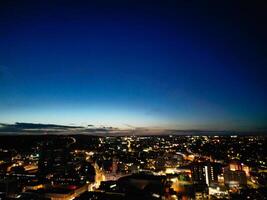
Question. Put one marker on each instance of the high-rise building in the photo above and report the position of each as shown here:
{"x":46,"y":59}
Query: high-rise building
{"x":57,"y":165}
{"x":204,"y":173}
{"x":54,"y":158}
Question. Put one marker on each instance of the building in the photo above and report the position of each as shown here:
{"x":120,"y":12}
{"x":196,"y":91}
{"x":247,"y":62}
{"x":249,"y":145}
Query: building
{"x":235,"y":178}
{"x":236,"y":165}
{"x":218,"y":191}
{"x":205,"y":172}
{"x":58,"y":166}
{"x":54,"y":158}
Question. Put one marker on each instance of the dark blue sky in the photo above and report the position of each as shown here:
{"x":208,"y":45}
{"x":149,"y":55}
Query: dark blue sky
{"x":165,"y":64}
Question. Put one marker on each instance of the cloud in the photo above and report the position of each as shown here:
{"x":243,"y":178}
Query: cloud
{"x":33,"y":128}
{"x":41,"y":129}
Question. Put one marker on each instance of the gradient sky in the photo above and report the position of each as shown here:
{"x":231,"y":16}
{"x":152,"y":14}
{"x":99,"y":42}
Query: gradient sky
{"x":163,"y":64}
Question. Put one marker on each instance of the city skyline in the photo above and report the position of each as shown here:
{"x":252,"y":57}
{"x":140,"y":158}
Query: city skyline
{"x":149,"y":64}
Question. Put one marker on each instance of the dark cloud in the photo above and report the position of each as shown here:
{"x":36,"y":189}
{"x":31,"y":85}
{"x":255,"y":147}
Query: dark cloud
{"x":41,"y":129}
{"x":33,"y":128}
{"x":19,"y":125}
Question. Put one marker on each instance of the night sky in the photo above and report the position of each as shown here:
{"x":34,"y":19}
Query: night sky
{"x":161,"y":64}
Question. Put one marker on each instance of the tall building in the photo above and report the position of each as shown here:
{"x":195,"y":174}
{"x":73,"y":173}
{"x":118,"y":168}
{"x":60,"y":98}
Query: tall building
{"x":54,"y":158}
{"x":204,"y":173}
{"x":57,"y":165}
